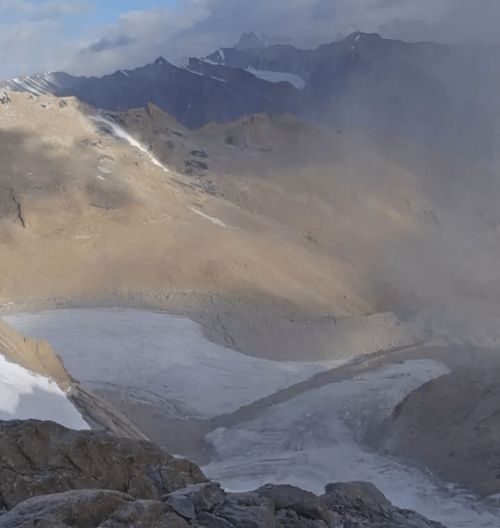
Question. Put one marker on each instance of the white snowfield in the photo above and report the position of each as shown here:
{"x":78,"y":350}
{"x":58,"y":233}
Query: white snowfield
{"x":277,"y":77}
{"x":38,"y":84}
{"x":25,"y":396}
{"x":160,"y":358}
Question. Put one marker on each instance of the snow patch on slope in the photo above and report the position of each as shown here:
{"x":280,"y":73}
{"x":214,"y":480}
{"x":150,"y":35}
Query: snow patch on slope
{"x":277,"y":77}
{"x":121,"y":133}
{"x":211,"y":219}
{"x":194,"y":72}
{"x":39,"y":84}
{"x":25,"y":396}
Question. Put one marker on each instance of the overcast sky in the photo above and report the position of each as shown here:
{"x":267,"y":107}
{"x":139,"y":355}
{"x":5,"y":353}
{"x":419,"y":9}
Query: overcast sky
{"x":100,"y":36}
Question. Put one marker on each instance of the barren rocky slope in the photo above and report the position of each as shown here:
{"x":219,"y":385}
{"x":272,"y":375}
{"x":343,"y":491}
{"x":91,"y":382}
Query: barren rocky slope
{"x":263,"y":212}
{"x":404,"y":227}
{"x":104,"y":222}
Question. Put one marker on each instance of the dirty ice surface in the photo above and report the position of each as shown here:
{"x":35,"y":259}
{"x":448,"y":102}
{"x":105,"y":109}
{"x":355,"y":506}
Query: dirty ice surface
{"x":162,"y":357}
{"x":315,"y":438}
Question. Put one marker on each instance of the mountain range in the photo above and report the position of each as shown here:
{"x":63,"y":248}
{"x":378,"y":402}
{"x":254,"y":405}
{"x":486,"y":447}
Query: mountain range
{"x":279,"y":262}
{"x":423,"y":91}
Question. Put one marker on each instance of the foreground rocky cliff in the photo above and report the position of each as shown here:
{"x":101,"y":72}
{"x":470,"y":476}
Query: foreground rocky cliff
{"x":54,"y":477}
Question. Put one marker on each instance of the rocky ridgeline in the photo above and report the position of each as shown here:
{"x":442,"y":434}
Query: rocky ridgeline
{"x":51,"y":477}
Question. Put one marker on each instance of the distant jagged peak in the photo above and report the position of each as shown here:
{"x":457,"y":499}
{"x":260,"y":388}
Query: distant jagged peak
{"x":353,"y":40}
{"x":356,"y":36}
{"x":254,"y":40}
{"x":251,"y":40}
{"x":217,"y":57}
{"x":160,"y":61}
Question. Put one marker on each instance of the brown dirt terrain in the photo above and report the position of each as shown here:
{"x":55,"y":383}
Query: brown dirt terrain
{"x":266,"y":219}
{"x":96,"y":219}
{"x":403,"y":225}
{"x":251,"y":242}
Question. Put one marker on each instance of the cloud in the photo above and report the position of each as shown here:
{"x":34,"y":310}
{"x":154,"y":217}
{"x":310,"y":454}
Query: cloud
{"x":32,"y":46}
{"x":325,"y":20}
{"x":34,"y":36}
{"x":44,"y":9}
{"x":197,"y":27}
{"x":104,"y":44}
{"x":139,"y":37}
{"x":462,"y":21}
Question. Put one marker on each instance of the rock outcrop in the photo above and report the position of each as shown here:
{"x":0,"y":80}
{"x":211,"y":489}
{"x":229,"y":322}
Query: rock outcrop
{"x":40,"y":458}
{"x":451,"y":425}
{"x":88,"y":508}
{"x":53,"y":477}
{"x":360,"y":504}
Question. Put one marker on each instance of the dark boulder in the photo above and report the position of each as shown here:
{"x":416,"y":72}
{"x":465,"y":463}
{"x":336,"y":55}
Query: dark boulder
{"x":196,"y":499}
{"x":362,"y":505}
{"x":90,"y":509}
{"x":303,"y":503}
{"x":39,"y":458}
{"x":247,"y":510}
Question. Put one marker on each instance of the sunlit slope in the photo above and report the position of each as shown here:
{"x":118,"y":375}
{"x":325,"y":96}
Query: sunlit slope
{"x":85,"y":214}
{"x":269,"y":209}
{"x":414,"y":225}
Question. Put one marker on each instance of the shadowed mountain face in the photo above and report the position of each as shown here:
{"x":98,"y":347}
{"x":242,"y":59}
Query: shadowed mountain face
{"x":436,"y":94}
{"x":196,"y":94}
{"x":429,"y":92}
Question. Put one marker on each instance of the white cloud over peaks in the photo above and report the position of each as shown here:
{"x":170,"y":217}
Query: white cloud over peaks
{"x":139,"y":37}
{"x":45,"y":9}
{"x":37,"y":39}
{"x":33,"y":36}
{"x":461,"y":21}
{"x":198,"y":27}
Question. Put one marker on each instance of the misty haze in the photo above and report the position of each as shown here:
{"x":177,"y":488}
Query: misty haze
{"x":250,"y":264}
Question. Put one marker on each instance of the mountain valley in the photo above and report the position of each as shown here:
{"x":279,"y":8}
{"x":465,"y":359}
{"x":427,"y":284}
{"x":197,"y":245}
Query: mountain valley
{"x":281,"y":264}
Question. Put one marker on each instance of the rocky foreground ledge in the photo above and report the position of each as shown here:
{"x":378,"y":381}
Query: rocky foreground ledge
{"x":52,"y":477}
